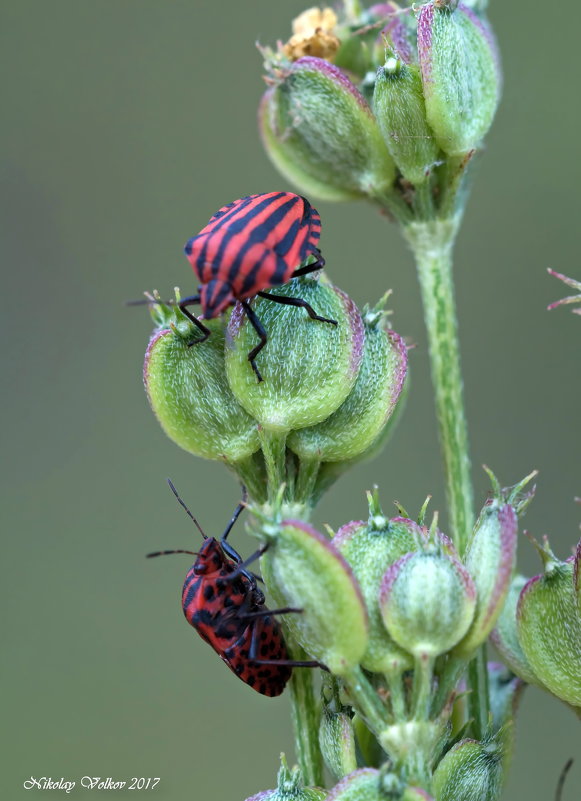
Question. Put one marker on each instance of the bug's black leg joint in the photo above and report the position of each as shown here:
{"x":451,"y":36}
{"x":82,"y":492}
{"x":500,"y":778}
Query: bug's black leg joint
{"x":260,"y":330}
{"x":286,"y":301}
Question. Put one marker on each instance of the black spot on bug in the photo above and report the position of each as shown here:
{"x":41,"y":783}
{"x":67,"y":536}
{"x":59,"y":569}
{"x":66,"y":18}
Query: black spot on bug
{"x":209,"y":592}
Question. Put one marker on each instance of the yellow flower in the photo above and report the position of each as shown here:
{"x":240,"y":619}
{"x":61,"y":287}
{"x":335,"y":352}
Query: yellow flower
{"x":313,"y":35}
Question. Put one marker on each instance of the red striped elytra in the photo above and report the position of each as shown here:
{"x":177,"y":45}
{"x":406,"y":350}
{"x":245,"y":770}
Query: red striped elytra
{"x":249,"y":245}
{"x":222,"y":601}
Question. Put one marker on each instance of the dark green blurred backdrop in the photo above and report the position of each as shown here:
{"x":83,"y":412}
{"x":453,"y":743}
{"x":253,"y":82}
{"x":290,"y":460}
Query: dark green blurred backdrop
{"x":125,"y":124}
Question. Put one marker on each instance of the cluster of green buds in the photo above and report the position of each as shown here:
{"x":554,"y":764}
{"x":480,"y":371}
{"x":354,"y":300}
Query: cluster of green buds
{"x":387,"y":103}
{"x":395,"y":615}
{"x":328,"y":398}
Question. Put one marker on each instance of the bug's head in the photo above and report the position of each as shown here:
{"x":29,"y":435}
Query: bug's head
{"x":215,"y":297}
{"x":210,"y":558}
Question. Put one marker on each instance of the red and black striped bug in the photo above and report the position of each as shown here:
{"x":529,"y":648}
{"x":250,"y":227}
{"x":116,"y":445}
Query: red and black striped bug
{"x":221,"y":600}
{"x":253,"y":243}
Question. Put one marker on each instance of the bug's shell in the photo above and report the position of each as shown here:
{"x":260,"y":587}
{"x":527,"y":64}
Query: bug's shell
{"x":212,"y":605}
{"x":251,"y":244}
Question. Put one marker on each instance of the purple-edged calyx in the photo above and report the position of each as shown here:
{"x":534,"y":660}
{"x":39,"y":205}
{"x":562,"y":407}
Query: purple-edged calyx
{"x":461,"y":75}
{"x":321,"y":134}
{"x":490,"y":560}
{"x":370,"y":405}
{"x":370,"y":548}
{"x":549,"y":626}
{"x":427,"y":601}
{"x":302,"y":569}
{"x":309,"y":366}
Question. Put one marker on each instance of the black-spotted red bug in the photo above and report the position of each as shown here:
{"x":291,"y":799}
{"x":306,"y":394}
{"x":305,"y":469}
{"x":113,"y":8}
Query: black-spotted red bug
{"x":221,"y":600}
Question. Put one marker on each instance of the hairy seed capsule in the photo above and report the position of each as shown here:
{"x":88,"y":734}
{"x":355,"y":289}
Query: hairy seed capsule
{"x":371,"y":548}
{"x":368,"y":408}
{"x":308,"y":366}
{"x":427,"y":602}
{"x":190,"y":395}
{"x":321,"y":134}
{"x":302,"y":569}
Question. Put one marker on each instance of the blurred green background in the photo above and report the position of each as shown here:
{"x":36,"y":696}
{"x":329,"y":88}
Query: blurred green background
{"x":126,"y":123}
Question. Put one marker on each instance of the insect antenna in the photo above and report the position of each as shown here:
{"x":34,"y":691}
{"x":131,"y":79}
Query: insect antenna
{"x":236,"y":515}
{"x":166,"y":553}
{"x":190,"y":515}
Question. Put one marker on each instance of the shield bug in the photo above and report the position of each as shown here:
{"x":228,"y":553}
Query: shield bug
{"x":222,"y":601}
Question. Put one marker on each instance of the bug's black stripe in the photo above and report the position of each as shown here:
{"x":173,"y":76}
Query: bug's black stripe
{"x":286,"y":243}
{"x":191,"y":591}
{"x":233,"y":208}
{"x":249,"y":280}
{"x":260,"y":234}
{"x":201,"y":260}
{"x":220,"y":292}
{"x":236,"y":225}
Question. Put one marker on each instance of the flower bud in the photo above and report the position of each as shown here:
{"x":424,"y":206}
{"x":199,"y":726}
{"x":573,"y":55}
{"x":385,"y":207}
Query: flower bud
{"x":303,"y":570}
{"x":505,"y":636}
{"x":370,"y":548}
{"x":400,"y":110}
{"x":490,"y":561}
{"x":290,"y":787}
{"x":189,"y":393}
{"x":320,"y":133}
{"x":337,"y":742}
{"x":308,"y":366}
{"x":361,"y":785}
{"x":427,"y":602}
{"x":361,"y":418}
{"x":460,"y":74}
{"x":549,"y":627}
{"x":470,"y":771}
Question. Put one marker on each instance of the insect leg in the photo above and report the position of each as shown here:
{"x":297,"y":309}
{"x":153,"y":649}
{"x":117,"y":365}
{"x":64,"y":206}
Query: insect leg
{"x":260,"y":330}
{"x":310,"y":268}
{"x":236,"y":515}
{"x":253,"y":650}
{"x":286,"y":301}
{"x":182,"y":306}
{"x":266,"y":612}
{"x":241,"y":568}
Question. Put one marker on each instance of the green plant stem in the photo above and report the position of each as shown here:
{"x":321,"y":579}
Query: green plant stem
{"x":478,"y":700}
{"x":366,"y":700}
{"x":432,"y":244}
{"x":305,"y":716}
{"x":273,"y":444}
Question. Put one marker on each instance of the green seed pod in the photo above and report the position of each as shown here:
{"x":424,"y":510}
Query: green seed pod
{"x":290,"y":787}
{"x":460,"y":74}
{"x":189,"y":393}
{"x":368,"y":408}
{"x":370,"y":549}
{"x":427,"y":602}
{"x":470,"y":771}
{"x":337,"y":742}
{"x":302,"y":569}
{"x":361,"y":785}
{"x":320,"y":133}
{"x":549,"y":627}
{"x":505,"y":636}
{"x":490,"y":561}
{"x":308,"y":366}
{"x":400,"y":110}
